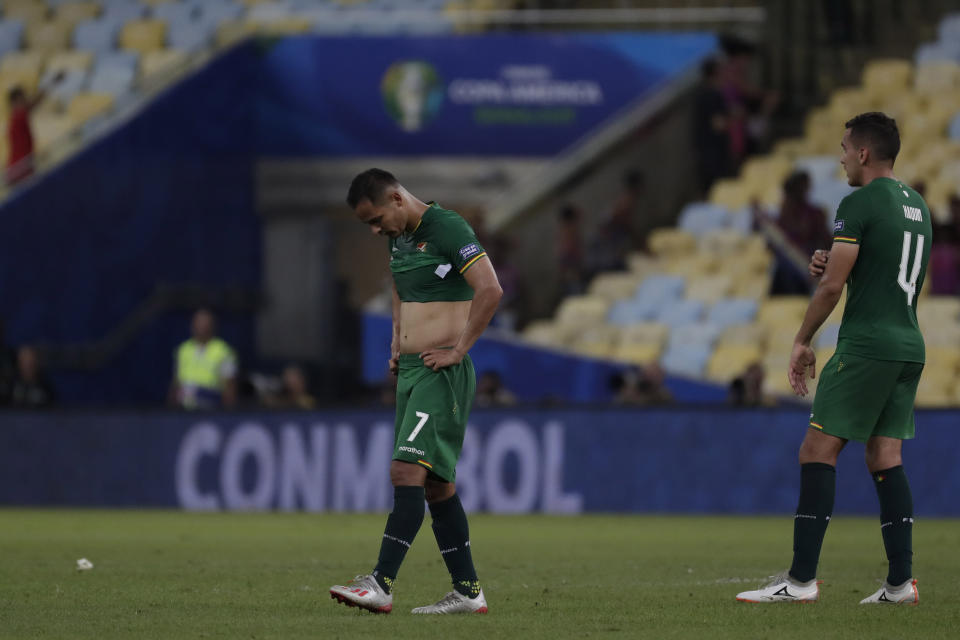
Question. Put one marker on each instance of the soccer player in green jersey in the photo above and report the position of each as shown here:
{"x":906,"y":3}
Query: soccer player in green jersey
{"x":881,"y":246}
{"x":445,"y":293}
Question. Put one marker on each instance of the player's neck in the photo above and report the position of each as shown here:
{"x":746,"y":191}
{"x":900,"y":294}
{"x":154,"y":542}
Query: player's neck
{"x":415,"y":214}
{"x":869,"y":175}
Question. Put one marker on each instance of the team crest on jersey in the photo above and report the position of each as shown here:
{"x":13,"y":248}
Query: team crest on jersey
{"x":421,"y":247}
{"x":837,"y":226}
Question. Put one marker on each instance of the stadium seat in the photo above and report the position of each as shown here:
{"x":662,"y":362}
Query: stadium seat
{"x":949,"y":28}
{"x":73,"y":81}
{"x":954,"y":128}
{"x":190,"y":36}
{"x":214,"y":12}
{"x":710,"y":289}
{"x":161,"y":62}
{"x":48,"y":36}
{"x":644,"y":333}
{"x":638,"y":352}
{"x":881,"y":77}
{"x":95,"y":35}
{"x":118,"y":14}
{"x":49,"y":129}
{"x":74,"y":12}
{"x":283,"y":26}
{"x":176,"y":13}
{"x":597,"y":341}
{"x":11,"y":35}
{"x":632,"y":311}
{"x":114,"y":73}
{"x":732,"y":311}
{"x":935,"y":77}
{"x":143,"y":36}
{"x":935,"y":390}
{"x":689,"y":361}
{"x":26,"y":11}
{"x":690,"y":266}
{"x":701,"y":334}
{"x":723,"y":242}
{"x":731,"y":194}
{"x":827,"y":337}
{"x":582,"y":312}
{"x":541,"y":332}
{"x":776,"y":311}
{"x":660,"y":288}
{"x":614,"y":286}
{"x":70,"y":61}
{"x":268,"y":11}
{"x":233,"y":31}
{"x":22,"y":62}
{"x":671,"y":242}
{"x":753,"y":334}
{"x":85,"y":106}
{"x":939,"y":310}
{"x":730,"y":360}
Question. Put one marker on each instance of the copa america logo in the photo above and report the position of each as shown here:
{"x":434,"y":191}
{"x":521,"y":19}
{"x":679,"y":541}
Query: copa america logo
{"x":412,"y":93}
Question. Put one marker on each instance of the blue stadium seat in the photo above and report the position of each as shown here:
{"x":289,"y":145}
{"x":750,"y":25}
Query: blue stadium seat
{"x":689,"y":361}
{"x":72,"y":83}
{"x":829,"y":194}
{"x":954,"y":130}
{"x":11,"y":34}
{"x":267,"y":11}
{"x":700,"y":217}
{"x":217,"y":11}
{"x":680,"y":313}
{"x":189,"y":36}
{"x":96,"y":35}
{"x":949,"y":28}
{"x":177,"y":13}
{"x":702,"y":334}
{"x":820,"y":168}
{"x":661,"y":287}
{"x":627,"y":312}
{"x":726,"y":313}
{"x":114,"y":72}
{"x":937,"y":52}
{"x":119,"y":13}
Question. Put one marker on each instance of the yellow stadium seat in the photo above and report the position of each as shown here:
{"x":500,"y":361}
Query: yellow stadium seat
{"x":903,"y":104}
{"x":694,"y":266}
{"x":791,"y":148}
{"x":614,"y":286}
{"x":780,"y":309}
{"x":934,"y":78}
{"x":780,"y":336}
{"x":755,"y":334}
{"x":752,"y":285}
{"x":74,"y":12}
{"x":49,"y":129}
{"x":85,"y":106}
{"x":644,"y":333}
{"x":22,"y":62}
{"x":710,"y":288}
{"x":642,"y":265}
{"x":730,"y":193}
{"x":848,"y":102}
{"x":939,"y":309}
{"x":284,"y":27}
{"x":937,"y":335}
{"x":885,"y":76}
{"x":730,"y":360}
{"x":943,"y":357}
{"x":638,"y":352}
{"x":597,"y":341}
{"x":48,"y":36}
{"x":28,"y":11}
{"x":723,"y":242}
{"x":75,"y":60}
{"x":233,"y":31}
{"x":776,"y":382}
{"x":669,"y":241}
{"x":541,"y":332}
{"x":936,"y":390}
{"x":143,"y":36}
{"x":582,"y":312}
{"x":160,"y":62}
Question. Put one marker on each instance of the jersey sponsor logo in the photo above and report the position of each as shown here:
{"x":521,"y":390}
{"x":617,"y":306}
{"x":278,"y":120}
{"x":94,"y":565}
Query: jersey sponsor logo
{"x":912,"y":213}
{"x":411,"y":450}
{"x":837,"y":226}
{"x":470,"y":250}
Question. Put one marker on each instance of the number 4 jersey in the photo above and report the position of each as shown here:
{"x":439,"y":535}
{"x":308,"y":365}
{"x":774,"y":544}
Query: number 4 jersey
{"x":891,"y":223}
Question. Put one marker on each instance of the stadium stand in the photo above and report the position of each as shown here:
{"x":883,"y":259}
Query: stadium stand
{"x":699,"y":303}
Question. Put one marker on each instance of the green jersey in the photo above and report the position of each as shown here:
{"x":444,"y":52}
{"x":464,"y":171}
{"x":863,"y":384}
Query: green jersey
{"x":892,"y":225}
{"x":428,"y":264}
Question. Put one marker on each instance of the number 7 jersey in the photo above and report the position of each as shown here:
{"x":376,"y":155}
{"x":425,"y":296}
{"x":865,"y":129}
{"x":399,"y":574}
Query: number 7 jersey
{"x":892,"y":225}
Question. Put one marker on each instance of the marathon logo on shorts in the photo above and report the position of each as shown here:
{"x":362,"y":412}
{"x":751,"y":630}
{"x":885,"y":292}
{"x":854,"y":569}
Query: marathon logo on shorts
{"x":411,"y":450}
{"x":469,"y":251}
{"x":838,"y":226}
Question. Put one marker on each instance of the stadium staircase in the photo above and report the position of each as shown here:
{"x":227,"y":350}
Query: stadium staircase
{"x":699,"y":303}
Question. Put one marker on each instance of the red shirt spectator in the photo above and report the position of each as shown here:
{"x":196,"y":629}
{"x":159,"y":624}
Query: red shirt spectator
{"x":20,"y":161}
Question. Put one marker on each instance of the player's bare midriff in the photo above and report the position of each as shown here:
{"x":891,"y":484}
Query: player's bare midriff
{"x":427,"y":325}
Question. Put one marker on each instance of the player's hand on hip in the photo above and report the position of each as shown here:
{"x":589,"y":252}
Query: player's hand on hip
{"x":437,"y":359}
{"x":803,"y":362}
{"x":818,"y":262}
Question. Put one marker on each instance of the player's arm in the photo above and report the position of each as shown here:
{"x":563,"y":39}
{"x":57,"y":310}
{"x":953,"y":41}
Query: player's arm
{"x":393,"y":363}
{"x":843,"y":255}
{"x":486,"y":297}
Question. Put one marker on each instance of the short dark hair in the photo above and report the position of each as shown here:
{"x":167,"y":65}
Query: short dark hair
{"x":877,"y":131}
{"x":370,"y":185}
{"x":16,"y":93}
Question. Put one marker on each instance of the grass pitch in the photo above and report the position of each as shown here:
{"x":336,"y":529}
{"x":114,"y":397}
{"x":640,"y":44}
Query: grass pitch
{"x":179,"y":575}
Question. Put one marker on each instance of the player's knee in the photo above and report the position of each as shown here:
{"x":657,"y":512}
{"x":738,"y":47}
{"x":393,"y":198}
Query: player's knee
{"x":439,"y":491}
{"x":404,"y":474}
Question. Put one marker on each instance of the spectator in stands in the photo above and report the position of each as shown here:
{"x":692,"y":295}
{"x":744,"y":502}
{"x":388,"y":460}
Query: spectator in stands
{"x":615,"y":238}
{"x":492,"y":393}
{"x":205,"y":368}
{"x":8,"y":368}
{"x":945,"y":254}
{"x":642,"y":386}
{"x":511,"y":282}
{"x":749,"y":106}
{"x":32,"y":388}
{"x":805,"y":227}
{"x":19,"y":134}
{"x":294,"y":391}
{"x":746,"y":390}
{"x":570,"y":251}
{"x":710,"y":128}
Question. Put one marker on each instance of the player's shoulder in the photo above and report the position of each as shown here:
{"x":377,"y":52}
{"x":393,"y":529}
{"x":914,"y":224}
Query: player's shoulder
{"x":447,"y":220}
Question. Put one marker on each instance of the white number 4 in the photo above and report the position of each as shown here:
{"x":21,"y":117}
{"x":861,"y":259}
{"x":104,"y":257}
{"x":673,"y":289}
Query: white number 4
{"x":910,"y":286}
{"x":423,"y":420}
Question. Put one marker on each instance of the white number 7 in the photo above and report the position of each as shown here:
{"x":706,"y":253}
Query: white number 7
{"x":910,"y":287}
{"x":423,"y":420}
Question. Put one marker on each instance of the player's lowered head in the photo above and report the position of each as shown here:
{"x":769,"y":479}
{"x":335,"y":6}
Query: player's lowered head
{"x":381,"y":202}
{"x":870,"y":146}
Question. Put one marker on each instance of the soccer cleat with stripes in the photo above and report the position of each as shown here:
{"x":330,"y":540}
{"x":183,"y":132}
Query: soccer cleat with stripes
{"x":783,"y":588}
{"x":455,"y":602}
{"x":363,"y":592}
{"x":904,"y":594}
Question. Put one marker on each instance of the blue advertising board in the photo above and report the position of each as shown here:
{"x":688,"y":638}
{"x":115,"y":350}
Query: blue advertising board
{"x":531,"y":94}
{"x":514,"y":461}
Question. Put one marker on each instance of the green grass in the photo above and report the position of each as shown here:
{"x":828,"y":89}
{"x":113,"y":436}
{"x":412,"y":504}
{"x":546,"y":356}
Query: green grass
{"x":178,"y":575}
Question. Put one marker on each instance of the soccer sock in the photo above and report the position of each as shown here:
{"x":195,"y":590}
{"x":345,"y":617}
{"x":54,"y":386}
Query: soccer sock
{"x":818,"y":482}
{"x":402,"y":526}
{"x":453,"y":538}
{"x":896,"y":522}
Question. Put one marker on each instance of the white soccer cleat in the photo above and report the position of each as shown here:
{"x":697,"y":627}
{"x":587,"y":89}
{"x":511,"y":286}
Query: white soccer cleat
{"x":783,"y":588}
{"x":363,"y":592}
{"x":904,"y":594}
{"x":455,"y":602}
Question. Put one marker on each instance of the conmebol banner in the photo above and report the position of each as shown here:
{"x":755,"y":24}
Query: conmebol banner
{"x":525,"y":94}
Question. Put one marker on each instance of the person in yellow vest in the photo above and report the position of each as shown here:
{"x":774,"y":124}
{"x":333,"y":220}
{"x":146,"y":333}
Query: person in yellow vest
{"x":204,"y":368}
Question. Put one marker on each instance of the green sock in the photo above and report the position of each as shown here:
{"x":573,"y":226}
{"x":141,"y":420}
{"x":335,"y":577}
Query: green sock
{"x":402,"y":526}
{"x":818,"y":482}
{"x":896,"y":522}
{"x":453,"y":538}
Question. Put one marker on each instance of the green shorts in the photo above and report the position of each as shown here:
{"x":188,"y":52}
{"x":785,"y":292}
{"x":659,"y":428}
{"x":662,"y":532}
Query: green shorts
{"x":432,"y":411}
{"x":860,"y":397}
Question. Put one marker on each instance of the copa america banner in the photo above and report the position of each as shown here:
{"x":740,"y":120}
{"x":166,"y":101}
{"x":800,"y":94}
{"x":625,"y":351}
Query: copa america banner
{"x":497,"y":94}
{"x":514,"y":461}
